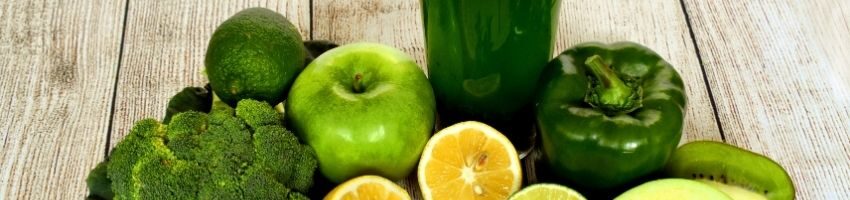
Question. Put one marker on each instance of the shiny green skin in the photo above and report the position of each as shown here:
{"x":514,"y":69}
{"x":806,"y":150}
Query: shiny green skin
{"x":380,"y":131}
{"x":256,"y":54}
{"x":485,"y":56}
{"x":597,"y":151}
{"x":729,"y":164}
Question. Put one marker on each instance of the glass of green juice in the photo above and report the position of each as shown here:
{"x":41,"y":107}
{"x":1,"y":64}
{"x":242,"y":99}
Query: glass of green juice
{"x":485,"y":58}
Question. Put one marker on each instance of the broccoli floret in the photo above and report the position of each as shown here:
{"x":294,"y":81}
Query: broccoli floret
{"x":258,"y":114}
{"x":183,"y":134}
{"x":242,"y":153}
{"x":277,"y":151}
{"x":99,"y":184}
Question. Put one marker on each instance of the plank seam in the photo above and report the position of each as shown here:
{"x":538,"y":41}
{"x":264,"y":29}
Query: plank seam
{"x":702,"y":67}
{"x":117,"y":78}
{"x":312,"y":26}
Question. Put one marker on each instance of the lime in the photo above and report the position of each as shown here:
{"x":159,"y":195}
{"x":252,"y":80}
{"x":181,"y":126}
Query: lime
{"x":547,"y":191}
{"x":256,"y":54}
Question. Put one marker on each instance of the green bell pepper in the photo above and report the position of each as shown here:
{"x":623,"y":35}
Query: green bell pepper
{"x":609,"y":113}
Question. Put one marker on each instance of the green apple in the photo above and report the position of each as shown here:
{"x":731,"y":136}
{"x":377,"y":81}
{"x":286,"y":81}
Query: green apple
{"x":365,"y":108}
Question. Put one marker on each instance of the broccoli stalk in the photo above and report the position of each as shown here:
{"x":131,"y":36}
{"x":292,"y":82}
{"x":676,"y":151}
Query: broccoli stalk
{"x":244,"y":153}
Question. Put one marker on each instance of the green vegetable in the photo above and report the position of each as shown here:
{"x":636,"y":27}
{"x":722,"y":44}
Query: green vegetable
{"x":99,"y":184}
{"x":609,"y":114}
{"x":189,"y":99}
{"x":244,"y":153}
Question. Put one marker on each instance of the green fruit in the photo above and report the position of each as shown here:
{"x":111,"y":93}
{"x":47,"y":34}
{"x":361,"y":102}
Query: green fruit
{"x":365,"y":108}
{"x":740,"y":173}
{"x":547,"y":191}
{"x":673,"y":189}
{"x":256,"y":54}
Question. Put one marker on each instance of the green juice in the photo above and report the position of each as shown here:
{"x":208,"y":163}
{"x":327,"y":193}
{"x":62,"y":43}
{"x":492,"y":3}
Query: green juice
{"x":485,"y":56}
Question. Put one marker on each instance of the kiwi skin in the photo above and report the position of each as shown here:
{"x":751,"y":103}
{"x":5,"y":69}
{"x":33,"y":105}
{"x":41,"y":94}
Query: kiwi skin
{"x":727,"y":164}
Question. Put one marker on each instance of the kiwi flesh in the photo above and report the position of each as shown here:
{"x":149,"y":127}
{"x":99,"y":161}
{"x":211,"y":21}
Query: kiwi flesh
{"x":673,"y":188}
{"x":739,"y":173}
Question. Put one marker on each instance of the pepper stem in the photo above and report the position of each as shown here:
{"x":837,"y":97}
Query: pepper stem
{"x":358,"y":84}
{"x":608,"y":91}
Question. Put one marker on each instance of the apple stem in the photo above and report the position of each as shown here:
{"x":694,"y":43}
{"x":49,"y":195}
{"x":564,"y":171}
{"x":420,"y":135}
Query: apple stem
{"x":358,"y":86}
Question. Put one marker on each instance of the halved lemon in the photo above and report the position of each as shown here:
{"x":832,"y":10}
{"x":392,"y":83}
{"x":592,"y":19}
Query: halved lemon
{"x":368,"y":187}
{"x":547,"y":191}
{"x":469,"y":160}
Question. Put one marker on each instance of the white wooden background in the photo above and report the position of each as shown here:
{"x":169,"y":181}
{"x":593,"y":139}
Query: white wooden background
{"x":772,"y":76}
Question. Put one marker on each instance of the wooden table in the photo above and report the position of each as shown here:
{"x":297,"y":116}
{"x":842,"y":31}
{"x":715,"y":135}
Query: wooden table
{"x":772,"y":76}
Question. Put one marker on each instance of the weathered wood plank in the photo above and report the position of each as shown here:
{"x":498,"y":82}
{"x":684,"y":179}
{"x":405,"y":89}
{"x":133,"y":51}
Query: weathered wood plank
{"x":397,"y":23}
{"x":164,"y":50}
{"x":780,"y":77}
{"x":58,"y":62}
{"x":659,"y":25}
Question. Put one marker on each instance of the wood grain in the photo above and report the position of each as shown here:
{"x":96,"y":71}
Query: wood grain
{"x":780,"y":77}
{"x":397,"y":23}
{"x":58,"y":62}
{"x":164,"y":50}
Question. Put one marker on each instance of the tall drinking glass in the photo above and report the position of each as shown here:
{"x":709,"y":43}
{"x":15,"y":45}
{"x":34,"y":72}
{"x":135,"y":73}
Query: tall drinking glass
{"x":485,"y":57}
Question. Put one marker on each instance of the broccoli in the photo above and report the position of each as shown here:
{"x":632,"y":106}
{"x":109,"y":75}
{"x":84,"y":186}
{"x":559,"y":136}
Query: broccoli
{"x":99,"y":185}
{"x":242,"y":153}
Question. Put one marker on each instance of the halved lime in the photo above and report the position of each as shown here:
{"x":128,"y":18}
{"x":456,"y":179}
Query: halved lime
{"x":547,"y":191}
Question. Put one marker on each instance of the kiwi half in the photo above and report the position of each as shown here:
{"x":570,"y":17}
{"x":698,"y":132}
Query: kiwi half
{"x":673,"y":188}
{"x":739,"y":173}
